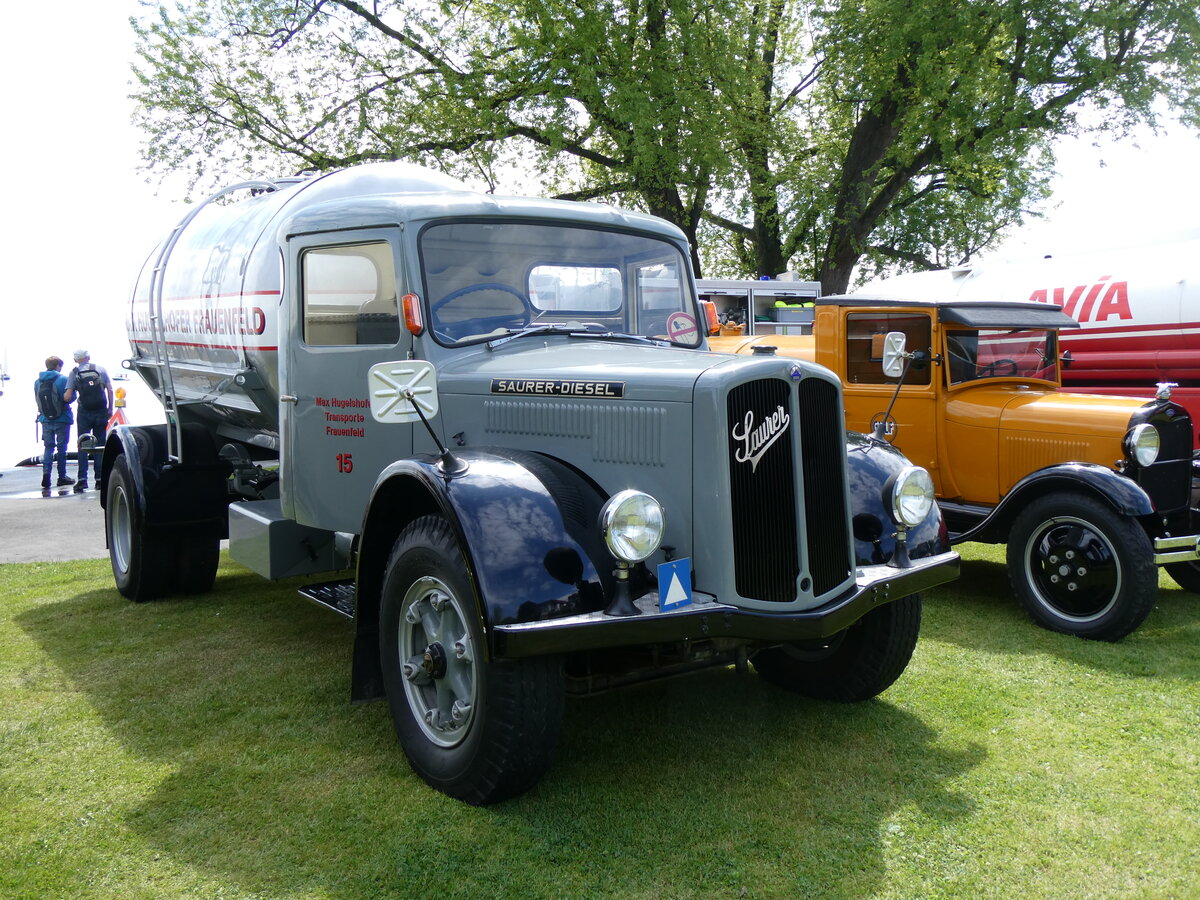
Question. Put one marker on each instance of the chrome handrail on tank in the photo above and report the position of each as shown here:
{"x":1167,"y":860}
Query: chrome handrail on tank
{"x":158,"y":331}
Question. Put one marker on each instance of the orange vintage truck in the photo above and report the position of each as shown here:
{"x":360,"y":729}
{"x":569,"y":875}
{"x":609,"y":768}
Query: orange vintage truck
{"x":1090,"y":493}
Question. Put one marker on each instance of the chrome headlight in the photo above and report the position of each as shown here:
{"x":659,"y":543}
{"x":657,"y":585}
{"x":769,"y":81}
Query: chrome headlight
{"x":1141,"y":444}
{"x":632,"y":524}
{"x":911,"y":496}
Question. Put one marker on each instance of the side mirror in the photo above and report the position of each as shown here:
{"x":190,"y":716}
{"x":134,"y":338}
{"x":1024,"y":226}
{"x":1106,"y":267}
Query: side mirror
{"x":1065,"y":359}
{"x":403,"y":391}
{"x":893,"y":354}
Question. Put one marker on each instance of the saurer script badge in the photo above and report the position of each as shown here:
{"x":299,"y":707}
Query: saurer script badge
{"x":757,"y":439}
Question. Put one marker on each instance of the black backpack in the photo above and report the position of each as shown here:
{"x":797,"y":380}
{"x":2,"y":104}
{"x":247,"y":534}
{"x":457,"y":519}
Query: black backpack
{"x":89,"y":387}
{"x":49,"y":400}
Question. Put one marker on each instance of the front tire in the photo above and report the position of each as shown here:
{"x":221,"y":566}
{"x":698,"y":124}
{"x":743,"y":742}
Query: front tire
{"x":476,"y":729}
{"x":1185,"y":574}
{"x":139,"y":556}
{"x":853,"y":665}
{"x":1080,"y":568}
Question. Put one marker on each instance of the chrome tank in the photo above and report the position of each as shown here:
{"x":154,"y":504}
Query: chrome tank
{"x":222,"y":295}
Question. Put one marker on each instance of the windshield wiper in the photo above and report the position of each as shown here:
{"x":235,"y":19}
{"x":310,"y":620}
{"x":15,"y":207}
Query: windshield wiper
{"x":622,"y":336}
{"x":545,"y":328}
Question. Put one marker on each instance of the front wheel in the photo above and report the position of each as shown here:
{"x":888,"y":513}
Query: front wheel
{"x":479,"y":730}
{"x":1185,"y":574}
{"x":1080,"y":568}
{"x":855,"y":664}
{"x":139,"y":555}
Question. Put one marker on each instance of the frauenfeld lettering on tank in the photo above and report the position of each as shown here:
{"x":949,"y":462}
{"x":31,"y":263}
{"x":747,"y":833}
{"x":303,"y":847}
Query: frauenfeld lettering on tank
{"x":217,"y":321}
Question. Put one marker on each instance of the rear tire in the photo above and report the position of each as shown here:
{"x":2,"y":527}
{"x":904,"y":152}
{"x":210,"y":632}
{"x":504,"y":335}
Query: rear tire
{"x":853,"y":665}
{"x":476,"y":729}
{"x":1080,"y":568}
{"x":197,"y":553}
{"x":139,"y":556}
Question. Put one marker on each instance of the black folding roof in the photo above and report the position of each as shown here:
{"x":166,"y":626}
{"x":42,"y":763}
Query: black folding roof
{"x":973,"y":313}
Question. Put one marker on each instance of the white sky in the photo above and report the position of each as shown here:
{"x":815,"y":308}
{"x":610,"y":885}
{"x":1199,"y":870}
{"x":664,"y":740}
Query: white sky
{"x":78,"y":220}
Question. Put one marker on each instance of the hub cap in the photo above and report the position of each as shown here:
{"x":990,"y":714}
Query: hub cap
{"x":438,"y":662}
{"x":1073,"y":569}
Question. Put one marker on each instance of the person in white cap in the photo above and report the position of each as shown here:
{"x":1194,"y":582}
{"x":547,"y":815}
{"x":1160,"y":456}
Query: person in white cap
{"x":91,"y":385}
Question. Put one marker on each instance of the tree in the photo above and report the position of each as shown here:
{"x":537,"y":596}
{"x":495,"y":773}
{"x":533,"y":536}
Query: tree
{"x":819,"y":136}
{"x":598,"y":100}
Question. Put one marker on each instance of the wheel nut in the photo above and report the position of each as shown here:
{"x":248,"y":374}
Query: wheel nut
{"x":1081,"y":571}
{"x":1054,"y":579}
{"x":1071,"y":586}
{"x":1070,"y":554}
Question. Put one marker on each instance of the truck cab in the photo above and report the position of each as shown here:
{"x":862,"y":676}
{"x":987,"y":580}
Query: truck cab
{"x":1089,"y":492}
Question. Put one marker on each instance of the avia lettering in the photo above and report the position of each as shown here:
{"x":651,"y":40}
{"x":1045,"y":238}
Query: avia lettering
{"x":1114,"y":303}
{"x":758,"y":440}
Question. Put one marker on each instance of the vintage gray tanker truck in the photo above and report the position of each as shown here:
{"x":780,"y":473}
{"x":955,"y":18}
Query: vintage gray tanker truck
{"x":485,"y":424}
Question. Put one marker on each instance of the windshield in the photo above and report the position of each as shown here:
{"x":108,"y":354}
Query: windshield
{"x":484,"y":280}
{"x":985,"y":353}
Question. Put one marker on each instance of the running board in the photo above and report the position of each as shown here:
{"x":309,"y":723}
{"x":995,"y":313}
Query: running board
{"x":335,"y":595}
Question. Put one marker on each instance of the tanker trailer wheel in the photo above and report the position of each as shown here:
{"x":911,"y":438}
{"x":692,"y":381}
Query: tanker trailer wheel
{"x":478,"y":730}
{"x":853,"y":665}
{"x":197,"y":552}
{"x":139,"y":555}
{"x":1185,"y":574}
{"x":1080,"y":568}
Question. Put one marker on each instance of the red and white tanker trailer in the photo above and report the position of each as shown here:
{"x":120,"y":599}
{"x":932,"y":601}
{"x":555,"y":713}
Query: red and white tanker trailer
{"x":483,"y":423}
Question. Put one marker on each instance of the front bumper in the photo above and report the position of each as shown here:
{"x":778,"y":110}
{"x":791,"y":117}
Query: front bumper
{"x":705,"y":619}
{"x":1185,"y":548}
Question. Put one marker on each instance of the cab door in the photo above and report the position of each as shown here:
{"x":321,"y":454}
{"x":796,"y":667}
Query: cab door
{"x":913,"y":423}
{"x":343,"y":289}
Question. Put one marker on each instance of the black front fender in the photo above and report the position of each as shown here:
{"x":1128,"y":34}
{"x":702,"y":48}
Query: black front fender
{"x":870,"y":464}
{"x":520,"y":554}
{"x":1123,"y":494}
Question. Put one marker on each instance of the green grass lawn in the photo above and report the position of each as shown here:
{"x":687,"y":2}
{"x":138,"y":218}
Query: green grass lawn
{"x":206,"y":747}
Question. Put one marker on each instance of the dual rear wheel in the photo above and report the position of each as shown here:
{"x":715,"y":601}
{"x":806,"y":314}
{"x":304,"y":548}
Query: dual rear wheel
{"x":151,"y":562}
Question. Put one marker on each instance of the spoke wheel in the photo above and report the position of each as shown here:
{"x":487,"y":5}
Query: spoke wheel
{"x":1080,"y":568}
{"x":438,"y":661}
{"x":476,"y":728}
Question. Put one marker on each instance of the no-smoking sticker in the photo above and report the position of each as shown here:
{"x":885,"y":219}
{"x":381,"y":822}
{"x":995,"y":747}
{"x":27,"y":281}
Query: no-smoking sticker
{"x":682,"y":327}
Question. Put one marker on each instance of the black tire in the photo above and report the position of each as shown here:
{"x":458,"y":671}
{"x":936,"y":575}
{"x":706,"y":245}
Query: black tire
{"x":1185,"y":574}
{"x":855,"y":664}
{"x":1080,"y":568}
{"x":478,"y":730}
{"x":139,"y":556}
{"x":197,"y":553}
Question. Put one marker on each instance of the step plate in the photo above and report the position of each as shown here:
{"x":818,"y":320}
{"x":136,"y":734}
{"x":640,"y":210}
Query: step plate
{"x":335,"y":595}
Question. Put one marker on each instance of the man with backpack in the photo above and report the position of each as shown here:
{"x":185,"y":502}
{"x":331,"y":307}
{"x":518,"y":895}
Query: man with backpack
{"x":54,"y":414}
{"x":90,"y":384}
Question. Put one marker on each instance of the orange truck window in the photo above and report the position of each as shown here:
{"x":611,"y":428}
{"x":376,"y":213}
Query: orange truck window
{"x":864,"y":342}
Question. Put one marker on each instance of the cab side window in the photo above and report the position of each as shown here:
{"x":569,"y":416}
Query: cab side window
{"x":864,"y":346}
{"x":349,"y":295}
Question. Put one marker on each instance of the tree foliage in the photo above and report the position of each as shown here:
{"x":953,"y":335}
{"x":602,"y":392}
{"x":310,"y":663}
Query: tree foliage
{"x":817,"y":135}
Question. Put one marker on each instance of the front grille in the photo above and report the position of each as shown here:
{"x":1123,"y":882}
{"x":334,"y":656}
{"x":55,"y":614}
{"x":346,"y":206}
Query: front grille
{"x":1169,"y":481}
{"x":762,"y":463}
{"x":822,"y":446}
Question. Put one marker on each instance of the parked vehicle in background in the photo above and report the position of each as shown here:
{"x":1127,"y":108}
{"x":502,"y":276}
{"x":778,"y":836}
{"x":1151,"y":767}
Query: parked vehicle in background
{"x":1138,"y":309}
{"x":1089,"y":493}
{"x":488,"y":418}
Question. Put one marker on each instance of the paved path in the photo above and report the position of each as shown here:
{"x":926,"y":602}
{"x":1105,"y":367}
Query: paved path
{"x":34,"y":528}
